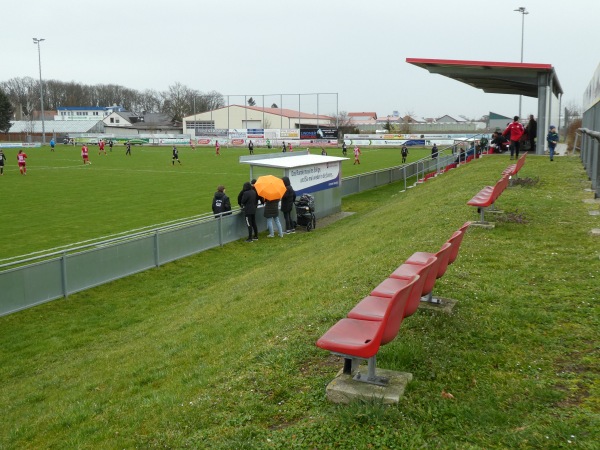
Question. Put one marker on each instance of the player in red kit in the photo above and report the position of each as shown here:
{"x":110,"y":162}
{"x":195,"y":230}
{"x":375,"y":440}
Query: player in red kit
{"x":21,"y":157}
{"x":101,"y":147}
{"x":84,"y":154}
{"x":217,"y":148}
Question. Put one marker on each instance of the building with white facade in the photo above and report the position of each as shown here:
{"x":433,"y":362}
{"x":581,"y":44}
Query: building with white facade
{"x":252,"y":117}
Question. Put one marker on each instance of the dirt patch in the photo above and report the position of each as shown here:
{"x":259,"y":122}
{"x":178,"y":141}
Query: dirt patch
{"x":325,"y":221}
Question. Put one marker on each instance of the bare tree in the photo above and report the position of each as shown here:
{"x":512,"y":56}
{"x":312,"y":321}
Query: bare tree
{"x":24,"y":95}
{"x":344,"y":123}
{"x":178,"y":101}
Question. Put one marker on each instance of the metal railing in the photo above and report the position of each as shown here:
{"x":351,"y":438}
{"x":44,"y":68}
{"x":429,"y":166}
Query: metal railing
{"x":36,"y":278}
{"x":590,"y":142}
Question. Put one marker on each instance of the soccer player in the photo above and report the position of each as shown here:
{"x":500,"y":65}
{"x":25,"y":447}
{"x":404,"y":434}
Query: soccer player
{"x":2,"y":159}
{"x":101,"y":147}
{"x":356,"y":155}
{"x":175,"y":156}
{"x":128,"y":151}
{"x":21,"y":157}
{"x":84,"y":154}
{"x":217,"y":148}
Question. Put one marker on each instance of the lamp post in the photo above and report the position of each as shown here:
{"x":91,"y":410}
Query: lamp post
{"x":37,"y":41}
{"x":523,"y":11}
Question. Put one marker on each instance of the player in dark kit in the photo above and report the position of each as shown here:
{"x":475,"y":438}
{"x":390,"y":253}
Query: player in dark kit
{"x":175,"y":156}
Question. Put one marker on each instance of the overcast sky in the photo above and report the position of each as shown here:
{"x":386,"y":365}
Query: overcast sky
{"x":357,"y":49}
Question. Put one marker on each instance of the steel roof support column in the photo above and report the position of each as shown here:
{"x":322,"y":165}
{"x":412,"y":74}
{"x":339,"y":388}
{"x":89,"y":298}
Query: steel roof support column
{"x":542,"y":128}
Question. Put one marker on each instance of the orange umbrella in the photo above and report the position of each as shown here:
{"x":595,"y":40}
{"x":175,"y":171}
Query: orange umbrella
{"x":270,"y":187}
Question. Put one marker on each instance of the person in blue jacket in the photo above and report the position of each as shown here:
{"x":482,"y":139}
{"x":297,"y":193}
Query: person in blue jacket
{"x":552,"y":139}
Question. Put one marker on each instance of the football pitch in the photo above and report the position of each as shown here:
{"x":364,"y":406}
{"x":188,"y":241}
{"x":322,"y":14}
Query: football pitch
{"x":61,"y":201}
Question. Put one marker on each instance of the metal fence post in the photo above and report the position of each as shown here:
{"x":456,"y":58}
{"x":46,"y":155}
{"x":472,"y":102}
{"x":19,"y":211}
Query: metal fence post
{"x":220,"y":226}
{"x":63,"y":267}
{"x":156,"y":250}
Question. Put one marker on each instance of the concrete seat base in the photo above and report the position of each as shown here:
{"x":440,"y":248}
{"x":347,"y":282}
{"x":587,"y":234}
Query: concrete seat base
{"x":441,"y":304}
{"x":343,"y":389}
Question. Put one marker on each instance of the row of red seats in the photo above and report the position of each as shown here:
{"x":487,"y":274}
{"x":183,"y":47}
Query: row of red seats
{"x":376,"y":319}
{"x":487,"y":196}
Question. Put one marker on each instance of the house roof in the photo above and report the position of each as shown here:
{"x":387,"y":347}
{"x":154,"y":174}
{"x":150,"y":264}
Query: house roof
{"x":81,"y":108}
{"x":57,"y":126}
{"x":370,"y":115}
{"x":291,"y":113}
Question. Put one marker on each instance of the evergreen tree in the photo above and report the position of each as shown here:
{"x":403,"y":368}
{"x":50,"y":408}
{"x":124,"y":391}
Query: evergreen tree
{"x":6,"y":112}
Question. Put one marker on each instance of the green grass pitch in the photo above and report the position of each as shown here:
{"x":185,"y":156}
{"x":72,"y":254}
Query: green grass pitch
{"x":60,"y":201}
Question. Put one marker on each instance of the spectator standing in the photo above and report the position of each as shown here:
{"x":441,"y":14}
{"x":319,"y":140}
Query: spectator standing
{"x":404,"y":153}
{"x":552,"y":139}
{"x":221,"y":205}
{"x":356,"y":155}
{"x":175,"y":156}
{"x":85,"y":154}
{"x":531,"y":129}
{"x":248,"y":202}
{"x":287,"y":202}
{"x":21,"y":157}
{"x":514,"y":131}
{"x":251,"y":147}
{"x":434,"y":151}
{"x":2,"y":159}
{"x":272,"y":214}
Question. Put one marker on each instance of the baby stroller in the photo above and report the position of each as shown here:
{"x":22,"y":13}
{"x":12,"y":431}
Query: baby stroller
{"x":305,"y":212}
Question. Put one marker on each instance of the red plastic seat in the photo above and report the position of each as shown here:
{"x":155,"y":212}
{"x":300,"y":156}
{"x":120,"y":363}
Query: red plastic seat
{"x":361,"y":339}
{"x":427,"y":273}
{"x":457,"y":240}
{"x":487,"y":196}
{"x":443,"y":255}
{"x":373,"y":306}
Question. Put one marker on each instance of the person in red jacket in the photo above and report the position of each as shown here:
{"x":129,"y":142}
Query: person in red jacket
{"x":515,"y":132}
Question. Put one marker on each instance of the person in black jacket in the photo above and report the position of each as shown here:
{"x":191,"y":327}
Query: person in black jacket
{"x":221,"y":203}
{"x":248,"y":202}
{"x":287,"y":202}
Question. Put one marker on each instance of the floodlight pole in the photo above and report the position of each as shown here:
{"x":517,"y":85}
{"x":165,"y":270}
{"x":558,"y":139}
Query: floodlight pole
{"x":523,"y":11}
{"x":37,"y":41}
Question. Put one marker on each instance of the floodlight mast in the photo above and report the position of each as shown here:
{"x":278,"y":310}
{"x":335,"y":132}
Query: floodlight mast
{"x":523,"y":11}
{"x":37,"y":41}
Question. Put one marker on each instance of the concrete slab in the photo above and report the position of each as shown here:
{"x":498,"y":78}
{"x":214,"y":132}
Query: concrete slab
{"x":595,"y":231}
{"x":343,"y":389}
{"x":444,"y":305}
{"x":487,"y":225}
{"x":592,"y":201}
{"x":594,"y":212}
